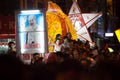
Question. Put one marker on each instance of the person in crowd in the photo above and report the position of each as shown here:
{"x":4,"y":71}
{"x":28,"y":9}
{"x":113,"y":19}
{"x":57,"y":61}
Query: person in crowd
{"x":57,"y":45}
{"x":69,"y":70}
{"x":11,"y":68}
{"x":69,"y":36}
{"x":12,"y":48}
{"x":60,"y":57}
{"x":76,"y":55}
{"x":51,"y":58}
{"x":68,"y":41}
{"x":36,"y":58}
{"x":65,"y":43}
{"x":58,"y":36}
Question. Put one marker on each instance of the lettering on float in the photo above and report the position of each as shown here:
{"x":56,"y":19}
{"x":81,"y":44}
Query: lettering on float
{"x":31,"y":46}
{"x":74,"y":15}
{"x":84,"y":33}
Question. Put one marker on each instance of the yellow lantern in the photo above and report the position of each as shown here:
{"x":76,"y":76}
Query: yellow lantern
{"x":58,"y":23}
{"x":117,"y":32}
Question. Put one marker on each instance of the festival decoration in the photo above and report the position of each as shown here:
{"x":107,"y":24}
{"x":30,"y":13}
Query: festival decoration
{"x":117,"y":32}
{"x":58,"y":22}
{"x":82,"y":21}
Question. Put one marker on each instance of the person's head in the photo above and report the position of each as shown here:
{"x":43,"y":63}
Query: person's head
{"x":58,"y":36}
{"x":32,"y":20}
{"x":76,"y":54}
{"x":52,"y":58}
{"x":69,"y":35}
{"x":65,"y":39}
{"x":39,"y":61}
{"x":36,"y":56}
{"x":11,"y":44}
{"x":60,"y":57}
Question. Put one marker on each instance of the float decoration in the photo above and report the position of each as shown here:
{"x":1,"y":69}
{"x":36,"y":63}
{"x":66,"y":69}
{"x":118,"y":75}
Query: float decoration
{"x":82,"y":21}
{"x":58,"y":22}
{"x":117,"y":32}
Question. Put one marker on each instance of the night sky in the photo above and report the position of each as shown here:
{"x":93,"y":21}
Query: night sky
{"x":8,"y":6}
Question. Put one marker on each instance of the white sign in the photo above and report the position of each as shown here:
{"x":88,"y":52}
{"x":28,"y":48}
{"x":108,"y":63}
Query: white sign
{"x":31,"y":31}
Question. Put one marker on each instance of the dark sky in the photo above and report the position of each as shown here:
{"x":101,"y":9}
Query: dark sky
{"x":8,"y":6}
{"x":117,"y":9}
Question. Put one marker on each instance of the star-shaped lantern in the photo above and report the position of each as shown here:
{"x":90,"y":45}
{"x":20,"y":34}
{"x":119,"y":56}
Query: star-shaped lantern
{"x":82,"y":21}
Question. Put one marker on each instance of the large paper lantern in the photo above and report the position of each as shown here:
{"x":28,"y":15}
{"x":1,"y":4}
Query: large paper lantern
{"x":117,"y":32}
{"x":58,"y":22}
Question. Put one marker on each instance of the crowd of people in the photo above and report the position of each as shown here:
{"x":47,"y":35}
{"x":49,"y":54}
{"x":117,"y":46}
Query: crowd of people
{"x":70,"y":60}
